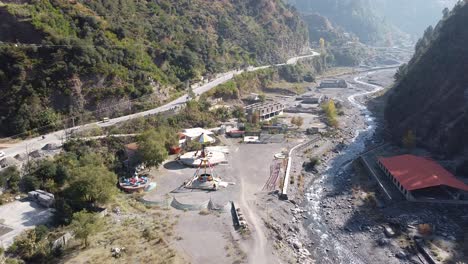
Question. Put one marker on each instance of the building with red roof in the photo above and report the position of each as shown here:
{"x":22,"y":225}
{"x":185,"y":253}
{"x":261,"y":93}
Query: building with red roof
{"x":422,"y":178}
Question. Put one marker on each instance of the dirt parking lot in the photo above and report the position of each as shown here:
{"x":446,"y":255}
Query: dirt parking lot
{"x":18,"y":216}
{"x":248,"y":169}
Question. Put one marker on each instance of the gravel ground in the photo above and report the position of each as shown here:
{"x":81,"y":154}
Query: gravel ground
{"x":340,"y":218}
{"x":333,"y":216}
{"x":325,"y":227}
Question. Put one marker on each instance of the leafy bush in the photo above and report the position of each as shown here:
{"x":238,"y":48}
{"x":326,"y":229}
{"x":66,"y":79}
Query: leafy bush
{"x":193,"y":145}
{"x":330,"y":111}
{"x":10,"y":179}
{"x":85,"y":224}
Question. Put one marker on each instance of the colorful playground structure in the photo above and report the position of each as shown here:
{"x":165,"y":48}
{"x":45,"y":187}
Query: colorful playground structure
{"x":134,"y":184}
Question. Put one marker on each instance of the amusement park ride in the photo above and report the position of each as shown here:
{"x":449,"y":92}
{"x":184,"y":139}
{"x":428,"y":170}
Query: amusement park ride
{"x":205,"y":176}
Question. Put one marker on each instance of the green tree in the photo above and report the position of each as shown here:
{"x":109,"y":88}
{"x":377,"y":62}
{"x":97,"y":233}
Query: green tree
{"x":50,"y":186}
{"x":41,"y":232}
{"x":25,"y":245}
{"x":10,"y":178}
{"x":91,"y":184}
{"x":190,"y":93}
{"x":30,"y":183}
{"x":61,"y":175}
{"x":239,"y":113}
{"x":31,"y":246}
{"x":330,"y":111}
{"x":45,"y":170}
{"x":85,"y":224}
{"x":222,"y":113}
{"x":151,"y":148}
{"x":409,"y":140}
{"x":262,"y":97}
{"x":322,"y":44}
{"x":63,"y":211}
{"x":193,"y":145}
{"x":91,"y":159}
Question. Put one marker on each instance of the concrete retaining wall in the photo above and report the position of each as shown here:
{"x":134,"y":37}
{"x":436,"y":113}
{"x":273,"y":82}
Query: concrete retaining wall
{"x":284,"y":191}
{"x":173,"y":202}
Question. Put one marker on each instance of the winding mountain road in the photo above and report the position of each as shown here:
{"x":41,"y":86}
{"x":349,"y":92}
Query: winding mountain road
{"x":58,"y":137}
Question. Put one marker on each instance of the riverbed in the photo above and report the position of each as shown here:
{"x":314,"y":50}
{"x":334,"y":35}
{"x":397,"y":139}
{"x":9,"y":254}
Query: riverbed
{"x":328,"y":245}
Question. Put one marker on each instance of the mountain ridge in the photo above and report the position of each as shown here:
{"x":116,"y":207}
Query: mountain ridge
{"x":430,"y":97}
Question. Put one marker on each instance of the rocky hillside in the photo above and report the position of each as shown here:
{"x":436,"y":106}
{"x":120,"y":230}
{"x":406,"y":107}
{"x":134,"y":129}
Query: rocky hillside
{"x":86,"y":59}
{"x":321,"y":27}
{"x":430,"y":97}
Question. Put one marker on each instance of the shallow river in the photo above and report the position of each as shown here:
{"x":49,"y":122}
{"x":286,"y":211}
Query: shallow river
{"x":327,"y":248}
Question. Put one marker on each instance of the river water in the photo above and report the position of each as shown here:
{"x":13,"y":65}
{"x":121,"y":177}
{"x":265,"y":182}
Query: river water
{"x":327,"y":249}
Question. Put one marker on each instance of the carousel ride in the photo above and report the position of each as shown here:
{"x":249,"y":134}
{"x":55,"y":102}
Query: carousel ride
{"x":136,"y":183}
{"x":204,"y":177}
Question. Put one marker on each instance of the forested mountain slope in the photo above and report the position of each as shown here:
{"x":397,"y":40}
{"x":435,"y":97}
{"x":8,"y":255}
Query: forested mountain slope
{"x":96,"y":54}
{"x":354,"y":16}
{"x":386,"y":22}
{"x":430,"y":97}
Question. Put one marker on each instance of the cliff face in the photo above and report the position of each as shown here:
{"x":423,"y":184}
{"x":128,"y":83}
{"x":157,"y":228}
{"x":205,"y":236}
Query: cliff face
{"x":91,"y":55}
{"x":430,"y":96}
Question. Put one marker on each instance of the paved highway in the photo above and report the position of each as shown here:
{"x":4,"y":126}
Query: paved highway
{"x":58,"y":137}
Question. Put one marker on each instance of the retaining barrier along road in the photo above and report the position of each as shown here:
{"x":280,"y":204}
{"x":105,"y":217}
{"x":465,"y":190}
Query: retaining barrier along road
{"x":235,"y":216}
{"x":173,"y":202}
{"x":372,"y":172}
{"x":284,"y":192}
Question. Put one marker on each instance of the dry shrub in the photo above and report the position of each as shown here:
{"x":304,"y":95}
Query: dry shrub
{"x":371,"y":199}
{"x":204,"y":212}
